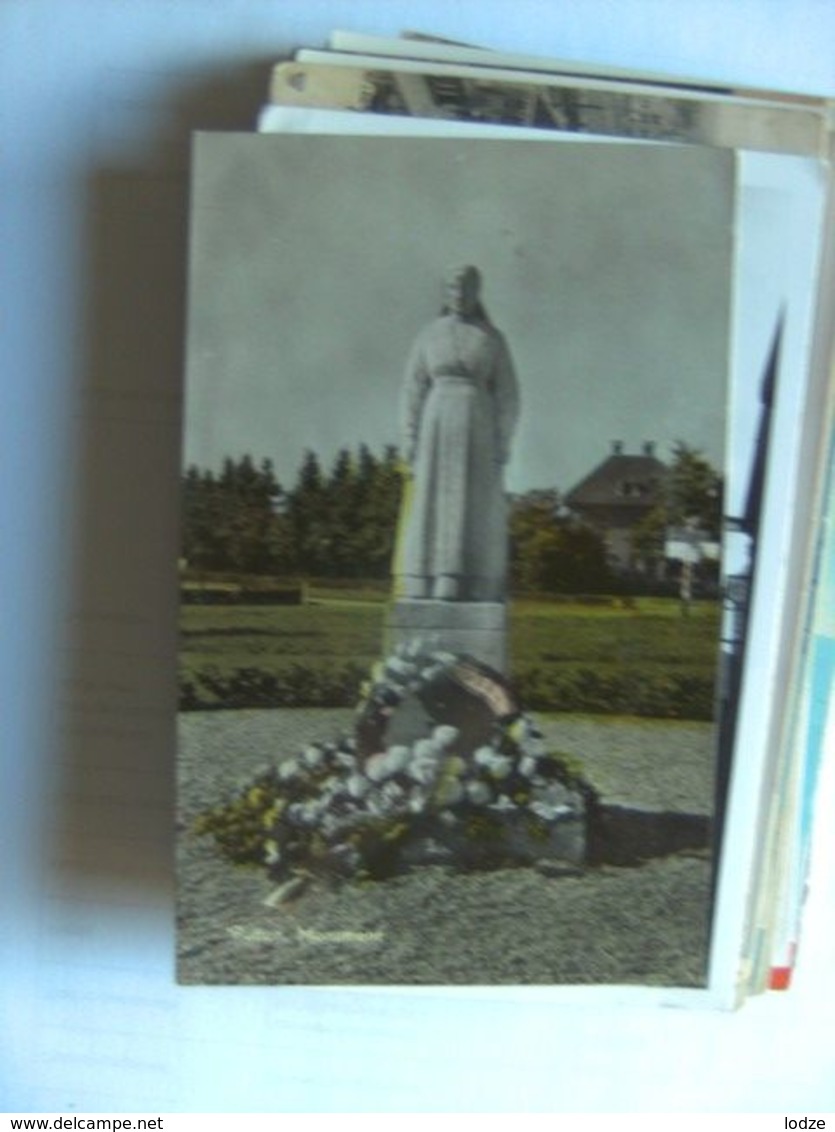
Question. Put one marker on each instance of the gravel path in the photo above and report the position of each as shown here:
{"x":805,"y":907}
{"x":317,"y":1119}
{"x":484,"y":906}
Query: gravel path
{"x":609,"y":924}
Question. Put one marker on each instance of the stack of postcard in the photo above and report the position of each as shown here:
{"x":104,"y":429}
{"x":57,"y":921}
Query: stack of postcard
{"x":504,"y":662}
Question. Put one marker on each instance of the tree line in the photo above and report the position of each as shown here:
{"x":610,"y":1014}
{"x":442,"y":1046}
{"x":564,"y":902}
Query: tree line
{"x":341,"y":522}
{"x":338,"y":522}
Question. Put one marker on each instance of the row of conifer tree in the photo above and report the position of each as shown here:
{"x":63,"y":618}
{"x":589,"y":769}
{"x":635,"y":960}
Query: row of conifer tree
{"x":341,"y":522}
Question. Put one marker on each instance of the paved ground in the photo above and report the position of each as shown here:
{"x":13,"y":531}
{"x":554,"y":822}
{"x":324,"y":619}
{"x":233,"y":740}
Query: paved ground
{"x":646,"y":764}
{"x":614,"y":923}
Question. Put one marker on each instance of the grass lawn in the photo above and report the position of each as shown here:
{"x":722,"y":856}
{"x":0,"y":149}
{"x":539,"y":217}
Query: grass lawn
{"x":651,"y":631}
{"x":554,"y":644}
{"x":235,"y":636}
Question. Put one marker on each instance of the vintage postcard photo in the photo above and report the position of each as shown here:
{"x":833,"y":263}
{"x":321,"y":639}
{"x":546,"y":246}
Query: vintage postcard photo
{"x":452,"y":678}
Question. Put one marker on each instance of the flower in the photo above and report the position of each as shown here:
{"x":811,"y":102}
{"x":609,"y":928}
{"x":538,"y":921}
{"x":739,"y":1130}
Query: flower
{"x":417,"y":802}
{"x":551,"y":794}
{"x":449,"y":792}
{"x":400,"y":667}
{"x":303,"y":813}
{"x":549,"y":811}
{"x":313,"y":757}
{"x":331,"y":824}
{"x":478,"y":792}
{"x":494,"y":762}
{"x":377,"y":804}
{"x":525,"y":735}
{"x":358,"y":786}
{"x":484,"y":756}
{"x":288,"y":770}
{"x":376,"y":767}
{"x":393,"y":793}
{"x":445,"y":735}
{"x":334,"y":805}
{"x":425,"y":761}
{"x":527,"y":766}
{"x":398,"y":758}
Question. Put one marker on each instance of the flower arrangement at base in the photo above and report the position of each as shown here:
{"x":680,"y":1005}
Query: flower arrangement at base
{"x":443,"y":768}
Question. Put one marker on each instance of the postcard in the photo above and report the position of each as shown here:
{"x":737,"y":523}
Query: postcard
{"x":451,"y":573}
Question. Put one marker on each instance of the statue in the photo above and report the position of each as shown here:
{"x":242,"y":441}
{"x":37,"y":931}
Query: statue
{"x":459,"y":409}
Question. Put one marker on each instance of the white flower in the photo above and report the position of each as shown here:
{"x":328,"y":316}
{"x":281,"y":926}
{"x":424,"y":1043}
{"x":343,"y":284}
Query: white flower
{"x":527,"y":766}
{"x":425,"y":749}
{"x":425,"y":761}
{"x":551,"y":794}
{"x":445,"y":735}
{"x":548,"y":810}
{"x":387,"y":763}
{"x":431,"y":672}
{"x":377,"y":804}
{"x":497,"y":764}
{"x":358,"y":786}
{"x":393,"y":794}
{"x":330,"y":824}
{"x":502,"y":804}
{"x":399,"y":666}
{"x":424,"y":771}
{"x":313,"y":757}
{"x":303,"y":813}
{"x":288,"y":769}
{"x":502,"y":767}
{"x":376,"y":767}
{"x":479,"y":792}
{"x":398,"y":758}
{"x":337,"y":791}
{"x":417,"y":801}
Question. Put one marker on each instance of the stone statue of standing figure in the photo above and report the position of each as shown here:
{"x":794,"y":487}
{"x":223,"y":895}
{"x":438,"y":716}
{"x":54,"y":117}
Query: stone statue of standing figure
{"x":460,"y":403}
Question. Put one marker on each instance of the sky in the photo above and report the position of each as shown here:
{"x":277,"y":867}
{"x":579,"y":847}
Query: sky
{"x":316,"y":260}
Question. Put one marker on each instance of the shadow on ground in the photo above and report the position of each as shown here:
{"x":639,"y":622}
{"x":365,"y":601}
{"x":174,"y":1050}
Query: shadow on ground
{"x":627,"y":837}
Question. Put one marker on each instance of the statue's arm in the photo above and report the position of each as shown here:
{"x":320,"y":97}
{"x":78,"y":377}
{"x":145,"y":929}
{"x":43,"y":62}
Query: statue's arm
{"x":506,"y":395}
{"x":416,"y":385}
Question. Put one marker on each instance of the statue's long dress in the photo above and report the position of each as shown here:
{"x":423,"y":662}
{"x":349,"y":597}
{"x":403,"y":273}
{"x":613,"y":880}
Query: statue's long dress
{"x":460,"y":403}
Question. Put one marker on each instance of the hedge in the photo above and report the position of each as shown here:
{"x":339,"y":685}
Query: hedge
{"x":642,"y":691}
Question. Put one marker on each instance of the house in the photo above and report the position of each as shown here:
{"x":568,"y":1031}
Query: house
{"x":613,"y":499}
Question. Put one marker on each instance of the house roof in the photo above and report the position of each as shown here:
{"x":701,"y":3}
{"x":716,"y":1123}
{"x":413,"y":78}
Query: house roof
{"x":621,"y":480}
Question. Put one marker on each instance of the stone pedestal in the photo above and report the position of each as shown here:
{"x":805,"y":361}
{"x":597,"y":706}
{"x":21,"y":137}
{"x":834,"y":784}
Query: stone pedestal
{"x":474,"y":628}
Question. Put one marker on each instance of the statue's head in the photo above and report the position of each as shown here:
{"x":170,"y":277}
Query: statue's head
{"x":462,"y":286}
